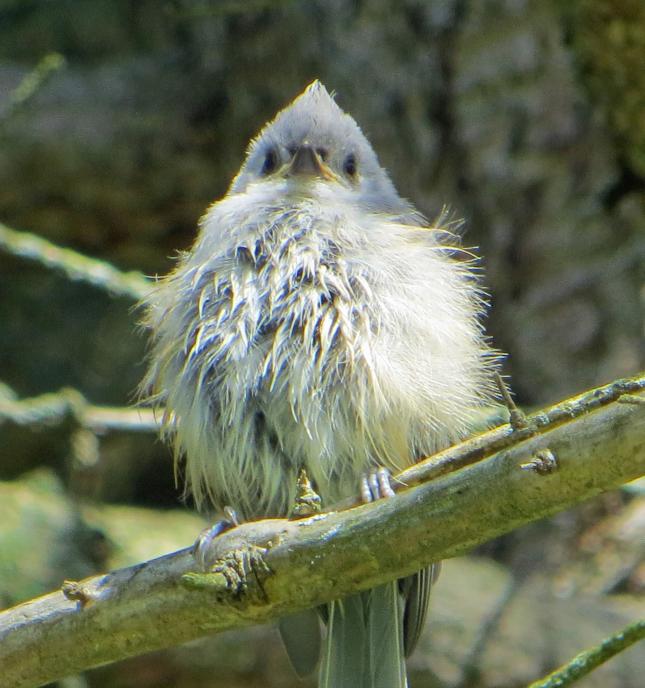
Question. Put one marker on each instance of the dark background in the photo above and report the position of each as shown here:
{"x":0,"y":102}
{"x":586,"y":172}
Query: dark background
{"x":525,"y":118}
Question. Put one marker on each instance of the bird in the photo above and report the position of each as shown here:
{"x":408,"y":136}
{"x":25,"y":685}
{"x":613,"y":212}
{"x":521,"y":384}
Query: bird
{"x":320,"y":322}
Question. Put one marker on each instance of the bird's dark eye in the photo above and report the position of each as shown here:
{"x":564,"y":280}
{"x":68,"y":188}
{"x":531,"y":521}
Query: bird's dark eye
{"x":270,"y":161}
{"x":322,"y":153}
{"x":349,"y":166}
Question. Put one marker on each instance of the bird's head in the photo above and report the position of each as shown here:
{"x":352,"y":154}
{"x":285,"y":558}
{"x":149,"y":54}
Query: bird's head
{"x":313,"y":147}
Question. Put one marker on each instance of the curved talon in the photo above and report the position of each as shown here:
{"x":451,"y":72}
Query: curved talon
{"x":376,"y":485}
{"x":231,"y":516}
{"x":205,"y":538}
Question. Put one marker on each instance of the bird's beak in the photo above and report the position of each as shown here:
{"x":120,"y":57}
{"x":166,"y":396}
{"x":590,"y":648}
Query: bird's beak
{"x":306,"y":162}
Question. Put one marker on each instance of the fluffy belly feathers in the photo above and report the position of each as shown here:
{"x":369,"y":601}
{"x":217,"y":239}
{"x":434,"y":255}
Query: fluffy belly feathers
{"x":308,"y":339}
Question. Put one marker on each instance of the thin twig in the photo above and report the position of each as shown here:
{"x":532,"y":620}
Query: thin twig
{"x":57,"y":407}
{"x":517,"y":417}
{"x":33,"y":82}
{"x":587,"y":661}
{"x":504,"y":437}
{"x":74,"y":265}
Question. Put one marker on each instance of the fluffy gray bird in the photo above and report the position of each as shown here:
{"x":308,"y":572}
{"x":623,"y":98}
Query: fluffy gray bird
{"x":319,"y":321}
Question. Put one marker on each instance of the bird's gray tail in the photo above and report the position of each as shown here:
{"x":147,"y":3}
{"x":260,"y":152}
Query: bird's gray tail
{"x":364,"y":643}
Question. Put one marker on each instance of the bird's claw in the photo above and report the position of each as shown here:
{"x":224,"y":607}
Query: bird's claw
{"x":376,"y":485}
{"x":205,"y":539}
{"x":237,"y":566}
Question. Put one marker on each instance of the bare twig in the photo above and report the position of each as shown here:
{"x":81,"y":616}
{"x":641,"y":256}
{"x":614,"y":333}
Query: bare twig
{"x":33,"y":82}
{"x":296,"y":565}
{"x":57,"y":407}
{"x":74,"y":265}
{"x":517,"y":417}
{"x":587,"y":661}
{"x":505,"y":436}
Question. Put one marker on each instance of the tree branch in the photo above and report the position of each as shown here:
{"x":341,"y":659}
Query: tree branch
{"x":585,"y":662}
{"x":55,"y":408}
{"x":598,"y":444}
{"x":74,"y":265}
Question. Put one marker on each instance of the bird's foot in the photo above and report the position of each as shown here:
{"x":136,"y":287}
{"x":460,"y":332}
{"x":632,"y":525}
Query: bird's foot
{"x":203,"y":544}
{"x":376,"y":485}
{"x":236,"y":565}
{"x":239,"y":565}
